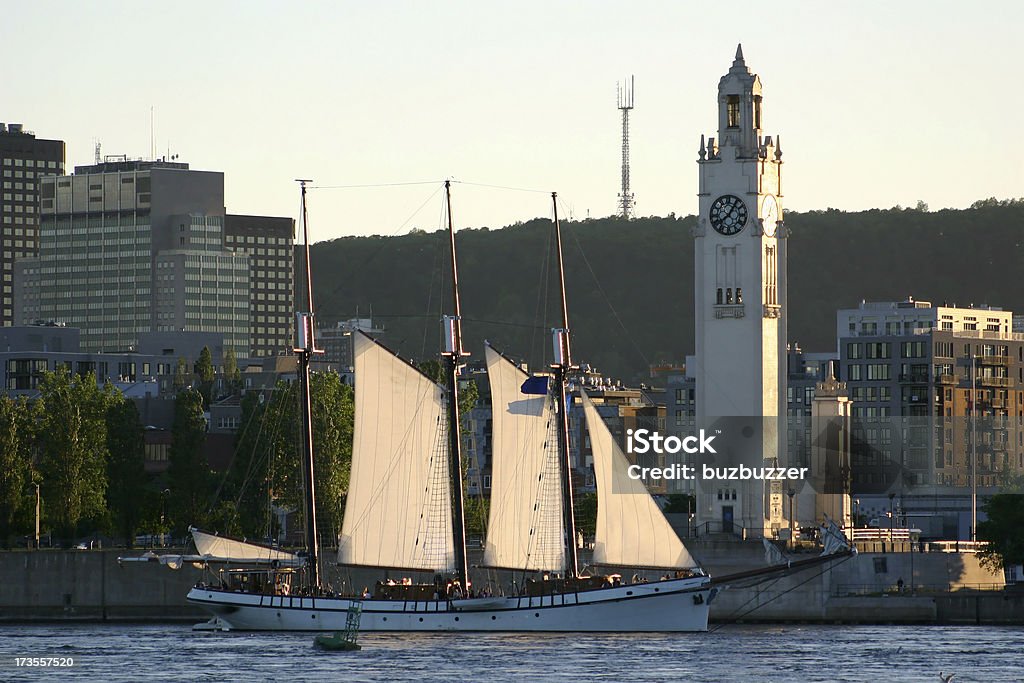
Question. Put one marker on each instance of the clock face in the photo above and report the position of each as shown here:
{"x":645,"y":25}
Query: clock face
{"x":770,"y":215}
{"x":728,"y":214}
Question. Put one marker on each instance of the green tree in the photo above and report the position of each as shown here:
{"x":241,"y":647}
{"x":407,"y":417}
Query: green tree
{"x":680,"y":502}
{"x":180,"y":380}
{"x":267,"y":466}
{"x":586,"y":513}
{"x":232,"y":375}
{"x":206,"y":375}
{"x":477,"y":510}
{"x":70,"y":422}
{"x":226,"y":520}
{"x":333,"y":424}
{"x":15,"y":463}
{"x":128,"y":491}
{"x":188,"y":474}
{"x":1003,"y":531}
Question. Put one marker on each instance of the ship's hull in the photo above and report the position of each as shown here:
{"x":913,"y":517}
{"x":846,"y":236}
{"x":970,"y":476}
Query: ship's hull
{"x":676,"y":605}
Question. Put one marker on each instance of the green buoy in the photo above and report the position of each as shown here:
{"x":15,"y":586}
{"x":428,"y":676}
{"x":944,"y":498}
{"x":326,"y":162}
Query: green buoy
{"x":343,"y":640}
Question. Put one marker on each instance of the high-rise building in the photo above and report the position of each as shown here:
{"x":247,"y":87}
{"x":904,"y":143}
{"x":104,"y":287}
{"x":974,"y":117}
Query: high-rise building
{"x":933,"y":387}
{"x":131,"y":246}
{"x":24,"y":159}
{"x":270,"y":244}
{"x":740,"y":296}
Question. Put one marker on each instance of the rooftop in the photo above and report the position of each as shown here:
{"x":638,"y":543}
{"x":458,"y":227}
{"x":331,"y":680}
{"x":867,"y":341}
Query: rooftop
{"x":121,"y":163}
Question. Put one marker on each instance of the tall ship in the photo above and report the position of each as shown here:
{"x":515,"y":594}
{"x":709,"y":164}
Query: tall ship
{"x":405,"y":513}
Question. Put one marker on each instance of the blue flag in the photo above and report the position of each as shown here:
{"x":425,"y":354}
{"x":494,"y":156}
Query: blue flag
{"x":535,"y":385}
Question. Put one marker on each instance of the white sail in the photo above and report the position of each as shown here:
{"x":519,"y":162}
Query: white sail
{"x":212,"y":547}
{"x":525,"y":527}
{"x":631,"y":529}
{"x":398,"y":511}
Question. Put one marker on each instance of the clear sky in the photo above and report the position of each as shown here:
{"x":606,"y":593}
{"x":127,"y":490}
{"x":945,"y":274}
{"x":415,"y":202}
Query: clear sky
{"x":877,"y":103}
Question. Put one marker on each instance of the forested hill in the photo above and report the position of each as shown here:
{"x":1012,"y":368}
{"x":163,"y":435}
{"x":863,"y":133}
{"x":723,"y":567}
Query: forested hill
{"x":629,"y":283}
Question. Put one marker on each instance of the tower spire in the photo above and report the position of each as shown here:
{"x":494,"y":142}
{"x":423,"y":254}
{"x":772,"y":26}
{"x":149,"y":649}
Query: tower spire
{"x":625,"y":104}
{"x":739,"y":55}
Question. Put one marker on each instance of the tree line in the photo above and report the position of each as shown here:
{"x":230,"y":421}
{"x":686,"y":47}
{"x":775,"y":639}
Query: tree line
{"x":630,"y":282}
{"x":80,"y":448}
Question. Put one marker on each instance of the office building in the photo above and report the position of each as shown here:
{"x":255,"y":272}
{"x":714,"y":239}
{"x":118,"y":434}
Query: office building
{"x":24,"y":159}
{"x":131,"y":246}
{"x":269,"y":242}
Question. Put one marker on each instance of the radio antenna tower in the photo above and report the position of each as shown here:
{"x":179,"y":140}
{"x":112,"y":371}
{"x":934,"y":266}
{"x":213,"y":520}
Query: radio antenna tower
{"x":624,"y":95}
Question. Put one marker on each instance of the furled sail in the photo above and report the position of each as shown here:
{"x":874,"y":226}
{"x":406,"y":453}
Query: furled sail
{"x":398,"y":512}
{"x":631,"y":529}
{"x":525,"y":527}
{"x":219,"y":548}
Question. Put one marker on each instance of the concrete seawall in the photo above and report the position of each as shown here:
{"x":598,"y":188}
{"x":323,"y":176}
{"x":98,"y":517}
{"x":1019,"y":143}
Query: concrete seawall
{"x":92,"y":585}
{"x":938,"y":588}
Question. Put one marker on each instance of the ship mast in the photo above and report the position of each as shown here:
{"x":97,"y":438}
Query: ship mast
{"x":562,"y":367}
{"x":452,"y":353}
{"x":304,"y":349}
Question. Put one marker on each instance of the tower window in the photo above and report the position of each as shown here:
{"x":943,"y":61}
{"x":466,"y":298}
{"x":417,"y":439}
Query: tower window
{"x":757,"y":112}
{"x":728,"y":295}
{"x":718,"y":296}
{"x":739,"y":295}
{"x":732,"y":109}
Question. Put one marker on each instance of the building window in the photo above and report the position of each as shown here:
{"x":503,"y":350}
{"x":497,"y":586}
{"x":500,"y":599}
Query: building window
{"x":732,"y":109}
{"x":877,"y":350}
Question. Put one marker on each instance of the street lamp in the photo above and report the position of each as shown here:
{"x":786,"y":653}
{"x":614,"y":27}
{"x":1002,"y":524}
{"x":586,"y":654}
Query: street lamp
{"x":792,"y":522}
{"x":38,"y":499}
{"x":974,"y":450}
{"x":856,"y":511}
{"x":163,"y":515}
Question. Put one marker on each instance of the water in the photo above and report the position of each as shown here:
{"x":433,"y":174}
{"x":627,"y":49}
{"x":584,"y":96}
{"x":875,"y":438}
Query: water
{"x":749,"y":653}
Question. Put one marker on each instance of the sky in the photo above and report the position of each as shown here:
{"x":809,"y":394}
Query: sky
{"x":877,"y":103}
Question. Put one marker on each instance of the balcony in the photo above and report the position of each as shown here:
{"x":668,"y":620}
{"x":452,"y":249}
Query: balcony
{"x":992,"y":360}
{"x":914,"y":378}
{"x":993,"y":381}
{"x":946,"y":379}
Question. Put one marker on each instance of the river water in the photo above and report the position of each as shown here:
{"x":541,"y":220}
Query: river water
{"x":733,"y":653}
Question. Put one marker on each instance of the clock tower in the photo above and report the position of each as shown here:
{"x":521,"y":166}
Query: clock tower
{"x":740,"y":302}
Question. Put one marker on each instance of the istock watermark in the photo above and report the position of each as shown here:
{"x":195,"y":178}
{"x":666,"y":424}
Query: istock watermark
{"x":740,"y":473}
{"x":646,"y":441}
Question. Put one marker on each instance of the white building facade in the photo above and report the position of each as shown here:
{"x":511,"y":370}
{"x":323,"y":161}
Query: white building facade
{"x":740,"y":297}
